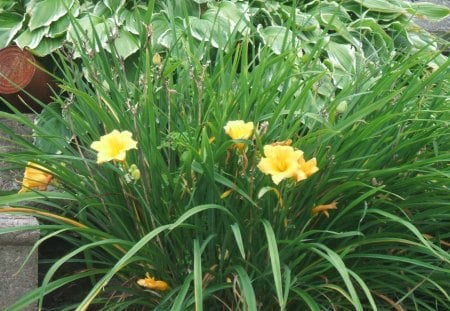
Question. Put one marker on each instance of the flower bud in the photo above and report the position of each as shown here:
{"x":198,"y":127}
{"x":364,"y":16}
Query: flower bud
{"x":157,"y":59}
{"x":341,"y":107}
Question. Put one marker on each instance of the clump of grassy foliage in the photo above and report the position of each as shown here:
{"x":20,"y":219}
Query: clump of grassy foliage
{"x":204,"y":219}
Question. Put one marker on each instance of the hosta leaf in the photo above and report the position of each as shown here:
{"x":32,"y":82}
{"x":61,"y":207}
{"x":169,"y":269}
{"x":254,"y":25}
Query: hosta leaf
{"x":126,"y":44}
{"x":45,"y":12}
{"x":133,"y":20}
{"x":82,"y":27}
{"x":172,"y":35}
{"x":383,"y":6}
{"x":201,"y":28}
{"x":31,"y":39}
{"x":278,"y":38}
{"x":50,"y":121}
{"x":10,"y":24}
{"x":114,"y":5}
{"x":221,"y":29}
{"x":306,"y":22}
{"x":429,"y":10}
{"x":371,"y":25}
{"x":342,"y":56}
{"x":59,"y":27}
{"x":48,"y":45}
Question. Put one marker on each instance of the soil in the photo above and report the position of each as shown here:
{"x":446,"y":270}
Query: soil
{"x":70,"y":294}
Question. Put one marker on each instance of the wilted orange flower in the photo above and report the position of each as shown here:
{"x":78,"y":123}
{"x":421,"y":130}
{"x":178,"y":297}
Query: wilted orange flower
{"x":151,"y":283}
{"x":35,"y":176}
{"x":113,"y":146}
{"x":281,"y":162}
{"x":239,"y":130}
{"x":324,"y":209}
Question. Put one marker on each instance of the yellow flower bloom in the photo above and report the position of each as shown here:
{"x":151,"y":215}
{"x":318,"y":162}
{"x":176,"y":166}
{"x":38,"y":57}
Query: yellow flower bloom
{"x":308,"y":167}
{"x":281,"y":162}
{"x":35,"y":176}
{"x":324,"y":209}
{"x":239,"y":130}
{"x":151,"y":283}
{"x":113,"y":146}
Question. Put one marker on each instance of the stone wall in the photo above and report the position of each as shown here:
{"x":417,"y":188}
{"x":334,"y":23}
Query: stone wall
{"x":18,"y":275}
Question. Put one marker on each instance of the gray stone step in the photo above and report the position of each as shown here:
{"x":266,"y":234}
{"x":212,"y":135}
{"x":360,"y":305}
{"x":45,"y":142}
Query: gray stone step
{"x":17,"y":276}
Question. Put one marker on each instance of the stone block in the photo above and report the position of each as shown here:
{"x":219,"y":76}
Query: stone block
{"x":11,"y":177}
{"x":15,"y":280}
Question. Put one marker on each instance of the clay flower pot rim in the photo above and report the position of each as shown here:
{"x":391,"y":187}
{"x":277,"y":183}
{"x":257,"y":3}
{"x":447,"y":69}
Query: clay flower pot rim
{"x":17,"y":68}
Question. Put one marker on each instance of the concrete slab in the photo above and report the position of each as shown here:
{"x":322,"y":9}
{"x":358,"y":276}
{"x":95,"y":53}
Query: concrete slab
{"x":15,"y":247}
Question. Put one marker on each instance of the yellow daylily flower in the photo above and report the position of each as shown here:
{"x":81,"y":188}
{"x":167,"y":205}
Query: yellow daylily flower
{"x":35,"y":176}
{"x":281,"y":162}
{"x":113,"y":146}
{"x":308,"y":167}
{"x":324,"y":209}
{"x":239,"y":129}
{"x":151,"y":283}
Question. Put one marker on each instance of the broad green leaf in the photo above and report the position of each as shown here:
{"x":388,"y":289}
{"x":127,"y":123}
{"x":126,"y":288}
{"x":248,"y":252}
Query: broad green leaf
{"x":306,"y":22}
{"x":371,"y":25}
{"x":236,"y":17}
{"x":53,"y":134}
{"x":45,"y":12}
{"x":429,"y":10}
{"x":172,"y":35}
{"x":59,"y":27}
{"x":31,"y":39}
{"x":335,"y":23}
{"x":383,"y":6}
{"x":82,"y":27}
{"x":201,"y":29}
{"x":126,"y":44}
{"x":133,"y":20}
{"x":114,"y":5}
{"x":48,"y":45}
{"x":221,"y":29}
{"x":10,"y":24}
{"x":278,"y":38}
{"x":342,"y":56}
{"x":160,"y":25}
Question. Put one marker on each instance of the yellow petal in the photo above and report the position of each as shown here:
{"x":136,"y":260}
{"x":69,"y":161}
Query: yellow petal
{"x":35,"y":176}
{"x":113,"y":146}
{"x":281,"y":162}
{"x":239,"y":129}
{"x":324,"y":208}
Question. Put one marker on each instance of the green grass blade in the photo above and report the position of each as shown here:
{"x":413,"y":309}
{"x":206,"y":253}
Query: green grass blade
{"x":275,"y":262}
{"x":247,"y":289}
{"x":198,"y":284}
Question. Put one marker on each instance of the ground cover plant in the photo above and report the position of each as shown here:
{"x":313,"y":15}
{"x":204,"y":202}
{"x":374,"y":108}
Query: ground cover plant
{"x":231,"y":180}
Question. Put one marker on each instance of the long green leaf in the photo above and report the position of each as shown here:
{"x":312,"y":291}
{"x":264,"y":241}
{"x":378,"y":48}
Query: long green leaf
{"x":275,"y":262}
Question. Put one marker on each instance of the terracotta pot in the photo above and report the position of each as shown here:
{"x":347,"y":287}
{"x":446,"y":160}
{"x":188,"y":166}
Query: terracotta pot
{"x":19,"y":75}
